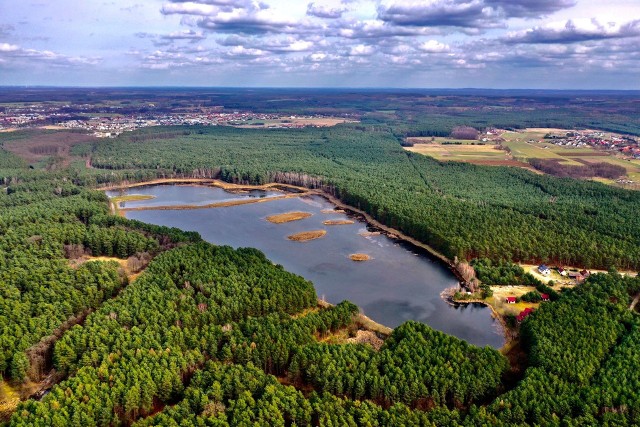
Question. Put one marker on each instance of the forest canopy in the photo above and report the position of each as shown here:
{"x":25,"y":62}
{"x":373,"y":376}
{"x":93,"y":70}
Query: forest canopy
{"x":209,"y":335}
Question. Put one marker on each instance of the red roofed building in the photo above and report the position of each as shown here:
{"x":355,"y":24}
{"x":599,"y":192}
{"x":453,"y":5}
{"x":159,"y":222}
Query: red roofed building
{"x":523,"y":314}
{"x":510,"y":300}
{"x":545,"y":297}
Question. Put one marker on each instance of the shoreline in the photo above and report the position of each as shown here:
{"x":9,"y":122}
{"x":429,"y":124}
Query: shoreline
{"x":366,"y":322}
{"x":303,"y":191}
{"x":447,"y":296}
{"x":300,"y":191}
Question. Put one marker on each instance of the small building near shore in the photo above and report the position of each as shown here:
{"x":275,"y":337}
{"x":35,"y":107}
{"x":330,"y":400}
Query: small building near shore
{"x":510,"y":300}
{"x":524,"y":313}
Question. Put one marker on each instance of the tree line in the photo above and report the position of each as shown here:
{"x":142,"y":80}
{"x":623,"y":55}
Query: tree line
{"x":462,"y":210}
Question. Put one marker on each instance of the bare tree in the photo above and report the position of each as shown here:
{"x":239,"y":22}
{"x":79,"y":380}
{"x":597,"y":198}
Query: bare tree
{"x":464,"y":132}
{"x":468,"y":274}
{"x":73,"y":251}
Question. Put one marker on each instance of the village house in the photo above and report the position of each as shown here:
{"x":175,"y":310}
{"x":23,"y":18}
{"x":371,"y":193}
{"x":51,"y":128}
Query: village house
{"x":524,"y":313}
{"x":562,"y":271}
{"x":544,"y":270}
{"x":544,"y":297}
{"x":510,"y":300}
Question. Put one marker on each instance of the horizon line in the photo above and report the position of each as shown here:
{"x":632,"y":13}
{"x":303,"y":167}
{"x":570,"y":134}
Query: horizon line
{"x":367,"y":88}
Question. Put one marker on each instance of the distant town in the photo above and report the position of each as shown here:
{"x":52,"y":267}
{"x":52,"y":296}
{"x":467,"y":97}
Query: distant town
{"x":109,"y":123}
{"x":627,"y":145}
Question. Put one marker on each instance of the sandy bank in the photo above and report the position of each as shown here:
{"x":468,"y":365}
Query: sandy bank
{"x":305,"y":236}
{"x":288,"y":217}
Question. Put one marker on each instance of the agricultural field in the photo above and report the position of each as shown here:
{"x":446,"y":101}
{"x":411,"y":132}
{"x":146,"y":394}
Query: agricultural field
{"x":461,"y":153}
{"x":530,"y":144}
{"x":523,"y":146}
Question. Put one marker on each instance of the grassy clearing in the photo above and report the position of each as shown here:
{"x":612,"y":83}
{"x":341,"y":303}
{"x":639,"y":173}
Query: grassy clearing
{"x":362,"y":330}
{"x":132,"y":197}
{"x":288,"y":217}
{"x":306,"y":312}
{"x":460,"y":152}
{"x":306,"y":236}
{"x":117,"y":200}
{"x":337,"y":222}
{"x":359,"y":257}
{"x":500,"y":294}
{"x":523,"y":151}
{"x":131,"y":276}
{"x":531,"y":144}
{"x":9,"y":399}
{"x":12,"y":393}
{"x":366,"y":338}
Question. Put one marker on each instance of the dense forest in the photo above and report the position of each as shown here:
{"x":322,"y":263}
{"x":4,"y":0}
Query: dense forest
{"x":215,"y":336}
{"x":208,"y":335}
{"x":45,"y":220}
{"x":462,"y":210}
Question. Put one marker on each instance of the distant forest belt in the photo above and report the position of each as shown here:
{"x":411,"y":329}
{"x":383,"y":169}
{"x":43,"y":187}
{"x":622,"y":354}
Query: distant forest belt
{"x":303,"y":191}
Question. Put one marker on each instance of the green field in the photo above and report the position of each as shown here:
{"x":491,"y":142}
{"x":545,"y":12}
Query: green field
{"x":464,"y":153}
{"x":522,"y":149}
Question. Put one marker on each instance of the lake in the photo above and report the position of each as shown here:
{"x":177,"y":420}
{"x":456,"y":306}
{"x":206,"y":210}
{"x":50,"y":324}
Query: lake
{"x":399,"y":283}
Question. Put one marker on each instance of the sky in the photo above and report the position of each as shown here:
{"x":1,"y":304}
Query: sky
{"x":542,"y":44}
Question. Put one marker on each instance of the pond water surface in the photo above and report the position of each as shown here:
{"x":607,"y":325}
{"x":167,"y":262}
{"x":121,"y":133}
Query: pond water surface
{"x":399,"y":283}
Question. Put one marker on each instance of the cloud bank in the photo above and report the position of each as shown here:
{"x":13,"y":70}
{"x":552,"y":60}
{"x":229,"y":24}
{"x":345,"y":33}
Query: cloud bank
{"x":519,"y":43}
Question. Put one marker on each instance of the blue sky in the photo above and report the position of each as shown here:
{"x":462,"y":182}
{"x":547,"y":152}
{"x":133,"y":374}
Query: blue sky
{"x":555,"y":44}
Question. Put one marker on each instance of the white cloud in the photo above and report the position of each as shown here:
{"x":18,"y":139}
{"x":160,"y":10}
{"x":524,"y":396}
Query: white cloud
{"x":6,"y":47}
{"x":434,"y":46}
{"x":574,"y":31}
{"x":189,"y":8}
{"x":15,"y":55}
{"x":361,"y":50}
{"x":325,"y":11}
